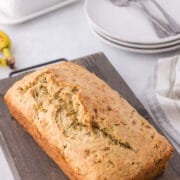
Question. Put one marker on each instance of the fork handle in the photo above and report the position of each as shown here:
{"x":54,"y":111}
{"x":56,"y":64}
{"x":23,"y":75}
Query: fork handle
{"x":174,"y":25}
{"x":159,"y":32}
{"x":155,"y":20}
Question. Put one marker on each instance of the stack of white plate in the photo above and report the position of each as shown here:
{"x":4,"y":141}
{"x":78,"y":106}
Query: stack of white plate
{"x":128,"y":28}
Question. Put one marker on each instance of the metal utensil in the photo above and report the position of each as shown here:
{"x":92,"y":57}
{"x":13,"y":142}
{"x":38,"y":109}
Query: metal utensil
{"x":162,"y":29}
{"x":173,"y":24}
{"x":157,"y":21}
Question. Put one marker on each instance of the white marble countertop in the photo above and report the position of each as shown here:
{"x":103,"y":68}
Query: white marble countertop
{"x":65,"y":33}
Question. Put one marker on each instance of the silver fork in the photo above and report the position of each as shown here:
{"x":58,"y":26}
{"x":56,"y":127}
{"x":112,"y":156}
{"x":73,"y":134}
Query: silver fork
{"x":162,"y":29}
{"x":174,"y":25}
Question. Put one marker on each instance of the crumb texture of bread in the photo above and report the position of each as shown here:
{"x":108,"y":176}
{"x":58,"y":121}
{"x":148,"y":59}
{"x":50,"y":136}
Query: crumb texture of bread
{"x":87,"y":128}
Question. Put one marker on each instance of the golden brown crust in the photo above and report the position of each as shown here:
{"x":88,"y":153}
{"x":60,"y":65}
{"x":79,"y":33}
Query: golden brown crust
{"x":85,"y":127}
{"x":51,"y":150}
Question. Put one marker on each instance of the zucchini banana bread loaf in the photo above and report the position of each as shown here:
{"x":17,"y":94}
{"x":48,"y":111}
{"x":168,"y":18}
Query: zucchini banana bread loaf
{"x":87,"y":128}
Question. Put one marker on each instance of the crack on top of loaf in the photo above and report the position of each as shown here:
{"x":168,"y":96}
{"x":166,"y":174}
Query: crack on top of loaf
{"x":29,"y":84}
{"x":71,"y":113}
{"x":114,"y":140}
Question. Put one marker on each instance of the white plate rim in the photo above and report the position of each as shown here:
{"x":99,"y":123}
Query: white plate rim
{"x":5,"y":20}
{"x":135,"y":50}
{"x":152,"y":46}
{"x":160,"y":41}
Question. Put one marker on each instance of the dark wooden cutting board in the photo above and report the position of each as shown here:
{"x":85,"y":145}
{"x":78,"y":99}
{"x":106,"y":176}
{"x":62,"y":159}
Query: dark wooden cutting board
{"x":29,"y":162}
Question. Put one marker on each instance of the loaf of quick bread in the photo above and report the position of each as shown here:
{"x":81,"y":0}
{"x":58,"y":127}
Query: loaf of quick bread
{"x":87,"y":128}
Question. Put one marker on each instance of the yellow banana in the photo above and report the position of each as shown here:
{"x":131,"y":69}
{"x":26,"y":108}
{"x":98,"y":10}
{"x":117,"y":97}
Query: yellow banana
{"x":3,"y":62}
{"x":5,"y":48}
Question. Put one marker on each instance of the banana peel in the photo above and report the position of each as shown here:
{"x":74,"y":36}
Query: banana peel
{"x":5,"y":49}
{"x":3,"y":62}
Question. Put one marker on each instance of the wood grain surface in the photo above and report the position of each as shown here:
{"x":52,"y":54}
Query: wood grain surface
{"x":28,"y":162}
